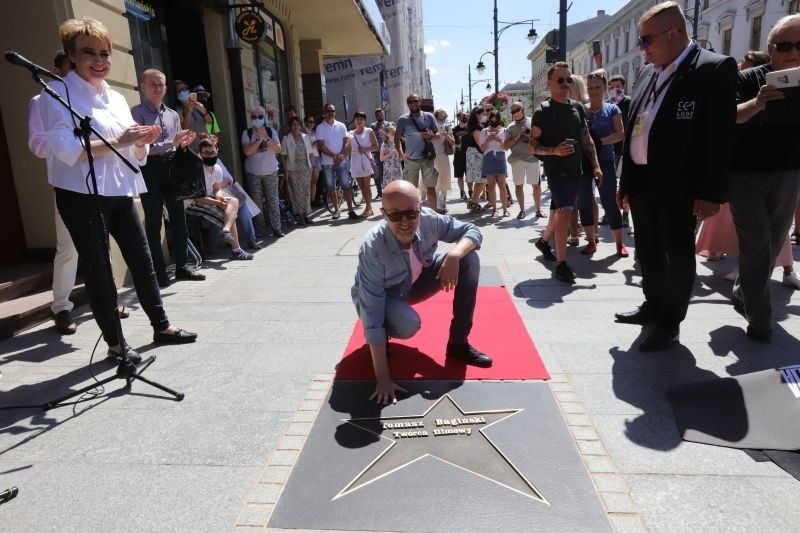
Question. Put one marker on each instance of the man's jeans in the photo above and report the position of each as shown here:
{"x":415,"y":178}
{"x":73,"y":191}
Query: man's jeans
{"x":402,"y":321}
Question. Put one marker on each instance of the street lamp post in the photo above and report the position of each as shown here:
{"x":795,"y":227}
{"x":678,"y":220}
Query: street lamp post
{"x":532,"y":36}
{"x":473,"y":83}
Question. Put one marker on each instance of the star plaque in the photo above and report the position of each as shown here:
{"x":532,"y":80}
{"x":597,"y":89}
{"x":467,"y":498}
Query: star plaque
{"x":447,"y":433}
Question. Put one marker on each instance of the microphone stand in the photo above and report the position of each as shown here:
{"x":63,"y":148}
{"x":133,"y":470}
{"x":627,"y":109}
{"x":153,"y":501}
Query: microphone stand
{"x":126,"y":369}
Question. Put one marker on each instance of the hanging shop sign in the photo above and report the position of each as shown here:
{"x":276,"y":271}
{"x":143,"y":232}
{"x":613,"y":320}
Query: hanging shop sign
{"x":249,"y":26}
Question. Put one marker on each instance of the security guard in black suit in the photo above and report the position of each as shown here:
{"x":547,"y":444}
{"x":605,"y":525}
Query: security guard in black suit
{"x":678,"y":144}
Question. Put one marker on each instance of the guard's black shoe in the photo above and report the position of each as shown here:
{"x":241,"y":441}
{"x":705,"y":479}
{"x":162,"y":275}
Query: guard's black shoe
{"x":564,"y":273}
{"x":181,"y":336}
{"x":544,"y":247}
{"x":64,"y":323}
{"x":759,"y":333}
{"x":126,"y":353}
{"x":184,"y":273}
{"x":640,"y":315}
{"x":660,"y":339}
{"x":468,"y":354}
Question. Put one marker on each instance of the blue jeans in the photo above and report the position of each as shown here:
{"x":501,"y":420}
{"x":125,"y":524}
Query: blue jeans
{"x":402,"y":322}
{"x":608,"y":196}
{"x":244,"y":223}
{"x":330,"y":173}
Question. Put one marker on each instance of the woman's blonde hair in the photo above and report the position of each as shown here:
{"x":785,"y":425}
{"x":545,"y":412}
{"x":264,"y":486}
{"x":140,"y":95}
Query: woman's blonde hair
{"x":71,"y":29}
{"x":577,"y":91}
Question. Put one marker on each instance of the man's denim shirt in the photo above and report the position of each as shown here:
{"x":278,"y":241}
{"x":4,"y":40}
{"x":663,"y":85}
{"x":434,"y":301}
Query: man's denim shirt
{"x":384,"y":268}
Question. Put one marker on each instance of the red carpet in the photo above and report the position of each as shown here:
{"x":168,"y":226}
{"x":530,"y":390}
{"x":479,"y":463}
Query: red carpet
{"x":498,"y":331}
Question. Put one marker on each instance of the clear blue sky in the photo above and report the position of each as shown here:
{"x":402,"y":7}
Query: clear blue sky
{"x":457,"y":32}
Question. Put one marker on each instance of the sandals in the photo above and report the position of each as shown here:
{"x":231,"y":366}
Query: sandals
{"x":367,"y":213}
{"x":506,"y":213}
{"x":573,"y":241}
{"x":123,"y":312}
{"x":521,"y":215}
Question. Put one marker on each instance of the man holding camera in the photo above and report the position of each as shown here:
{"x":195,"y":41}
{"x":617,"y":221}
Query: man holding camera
{"x":524,"y":165}
{"x":417,"y":128}
{"x":766,"y":175}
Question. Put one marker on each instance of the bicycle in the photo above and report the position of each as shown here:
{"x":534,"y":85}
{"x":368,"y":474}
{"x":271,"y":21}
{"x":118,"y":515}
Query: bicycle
{"x":340,"y":196}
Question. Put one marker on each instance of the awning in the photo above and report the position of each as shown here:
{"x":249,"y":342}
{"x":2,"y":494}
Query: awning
{"x":344,"y":27}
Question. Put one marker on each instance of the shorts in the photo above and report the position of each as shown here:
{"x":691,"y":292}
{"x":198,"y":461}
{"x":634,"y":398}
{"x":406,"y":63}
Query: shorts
{"x":494,"y":163}
{"x":524,"y":172}
{"x":563,"y":191}
{"x":317,"y":164}
{"x":474,"y":166}
{"x":331,"y":172}
{"x":412,"y":169}
{"x":459,"y":164}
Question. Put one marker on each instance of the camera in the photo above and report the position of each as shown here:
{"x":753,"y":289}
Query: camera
{"x":527,"y":131}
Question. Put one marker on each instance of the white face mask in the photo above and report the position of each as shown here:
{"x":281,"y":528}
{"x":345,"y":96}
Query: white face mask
{"x":615,"y":95}
{"x":484,"y":118}
{"x":257,"y":122}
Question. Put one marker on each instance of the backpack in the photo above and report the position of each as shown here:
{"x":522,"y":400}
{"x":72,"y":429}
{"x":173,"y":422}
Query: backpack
{"x":186,"y":176}
{"x":548,"y":114}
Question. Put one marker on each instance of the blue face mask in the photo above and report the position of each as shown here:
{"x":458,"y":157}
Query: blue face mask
{"x":257,"y":122}
{"x":183,"y":96}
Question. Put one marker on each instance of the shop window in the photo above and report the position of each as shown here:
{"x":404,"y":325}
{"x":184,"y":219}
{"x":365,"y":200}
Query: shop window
{"x":147,"y":43}
{"x":273,"y":74}
{"x":794,"y":7}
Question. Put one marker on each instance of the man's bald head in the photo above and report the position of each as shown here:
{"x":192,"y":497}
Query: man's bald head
{"x":399,"y":191}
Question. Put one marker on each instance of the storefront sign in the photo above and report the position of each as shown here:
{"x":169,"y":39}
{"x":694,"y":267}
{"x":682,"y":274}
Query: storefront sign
{"x":249,"y":26}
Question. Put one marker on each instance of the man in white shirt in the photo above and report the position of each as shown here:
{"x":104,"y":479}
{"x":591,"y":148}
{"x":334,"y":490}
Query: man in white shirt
{"x":334,"y":147}
{"x":65,"y":263}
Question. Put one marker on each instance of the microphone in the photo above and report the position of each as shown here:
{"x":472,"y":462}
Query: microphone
{"x":16,"y":59}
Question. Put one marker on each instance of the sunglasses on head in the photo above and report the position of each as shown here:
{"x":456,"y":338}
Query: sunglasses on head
{"x":397,"y":216}
{"x":562,"y":81}
{"x":256,"y":116}
{"x":595,"y":77}
{"x":786,"y":46}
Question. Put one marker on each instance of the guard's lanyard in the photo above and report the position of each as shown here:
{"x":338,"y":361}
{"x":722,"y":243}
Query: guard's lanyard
{"x":656,"y":92}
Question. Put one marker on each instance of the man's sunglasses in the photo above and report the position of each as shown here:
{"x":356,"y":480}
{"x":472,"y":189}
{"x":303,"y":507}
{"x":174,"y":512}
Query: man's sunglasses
{"x":646,"y":40}
{"x":256,"y":116}
{"x":330,"y":111}
{"x":786,"y":46}
{"x":412,"y":101}
{"x":397,"y":216}
{"x":517,"y":110}
{"x":562,"y":81}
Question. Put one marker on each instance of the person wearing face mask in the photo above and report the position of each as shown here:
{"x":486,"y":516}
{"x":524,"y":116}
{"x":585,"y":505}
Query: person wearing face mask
{"x":494,"y":167}
{"x":218,"y":208}
{"x":260,"y":146}
{"x":194,"y":115}
{"x":470,"y":143}
{"x":460,"y":156}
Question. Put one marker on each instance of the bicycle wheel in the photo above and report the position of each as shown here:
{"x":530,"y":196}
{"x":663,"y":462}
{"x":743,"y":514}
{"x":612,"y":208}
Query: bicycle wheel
{"x":328,"y":205}
{"x":356,"y":195}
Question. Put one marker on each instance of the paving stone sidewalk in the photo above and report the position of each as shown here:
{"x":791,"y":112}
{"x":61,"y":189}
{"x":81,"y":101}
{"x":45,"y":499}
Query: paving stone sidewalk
{"x":271,"y":332}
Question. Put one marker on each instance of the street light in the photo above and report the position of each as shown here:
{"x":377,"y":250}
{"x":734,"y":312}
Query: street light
{"x":473,"y":83}
{"x":532,"y":36}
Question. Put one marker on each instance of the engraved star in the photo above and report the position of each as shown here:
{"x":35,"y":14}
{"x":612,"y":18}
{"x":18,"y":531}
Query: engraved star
{"x":463,"y":445}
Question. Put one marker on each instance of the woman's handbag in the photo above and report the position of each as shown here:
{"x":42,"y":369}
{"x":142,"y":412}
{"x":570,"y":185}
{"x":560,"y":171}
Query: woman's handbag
{"x":449,"y":148}
{"x":186,"y":178}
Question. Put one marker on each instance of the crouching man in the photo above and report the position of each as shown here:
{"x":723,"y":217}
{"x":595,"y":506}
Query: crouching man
{"x":398,"y":266}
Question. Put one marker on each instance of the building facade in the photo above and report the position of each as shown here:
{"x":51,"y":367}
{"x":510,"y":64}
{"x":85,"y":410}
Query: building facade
{"x":191,"y":40}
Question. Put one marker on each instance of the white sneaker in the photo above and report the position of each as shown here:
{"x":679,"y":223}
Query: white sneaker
{"x":792,"y":280}
{"x":731,"y":276}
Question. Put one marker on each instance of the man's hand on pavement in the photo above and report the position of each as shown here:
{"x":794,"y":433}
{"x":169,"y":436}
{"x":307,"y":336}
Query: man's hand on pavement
{"x":385,"y":392}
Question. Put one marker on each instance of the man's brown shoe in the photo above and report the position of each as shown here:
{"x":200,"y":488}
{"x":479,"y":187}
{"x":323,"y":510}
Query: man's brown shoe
{"x":64,"y":323}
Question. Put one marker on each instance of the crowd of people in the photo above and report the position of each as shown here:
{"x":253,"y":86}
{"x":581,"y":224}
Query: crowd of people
{"x":671,"y":154}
